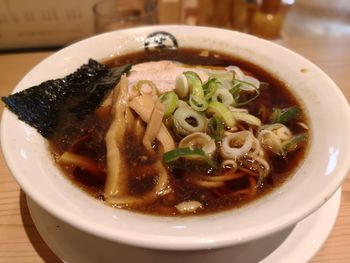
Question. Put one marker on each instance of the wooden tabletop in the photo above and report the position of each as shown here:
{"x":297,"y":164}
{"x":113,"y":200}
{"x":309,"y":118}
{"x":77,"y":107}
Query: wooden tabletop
{"x":20,"y":241}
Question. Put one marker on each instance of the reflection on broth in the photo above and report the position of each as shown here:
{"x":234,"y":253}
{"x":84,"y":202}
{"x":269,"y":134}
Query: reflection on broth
{"x":185,"y":134}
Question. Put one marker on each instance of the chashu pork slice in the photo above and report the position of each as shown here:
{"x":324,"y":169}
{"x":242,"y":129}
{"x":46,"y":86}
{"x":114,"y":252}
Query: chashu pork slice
{"x":162,"y":73}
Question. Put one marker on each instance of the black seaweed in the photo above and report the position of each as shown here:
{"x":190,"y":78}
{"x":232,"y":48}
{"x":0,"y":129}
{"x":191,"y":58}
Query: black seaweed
{"x":73,"y":97}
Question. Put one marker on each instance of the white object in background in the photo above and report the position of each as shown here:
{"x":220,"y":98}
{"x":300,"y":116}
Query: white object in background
{"x":41,"y":23}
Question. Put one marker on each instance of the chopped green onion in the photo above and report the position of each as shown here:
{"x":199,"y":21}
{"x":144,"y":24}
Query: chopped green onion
{"x":170,"y":100}
{"x":222,"y":75}
{"x":216,"y":128}
{"x":254,"y":83}
{"x":246,"y":117}
{"x":224,"y":96}
{"x":284,"y":115}
{"x":186,"y":120}
{"x":236,"y":92}
{"x":194,"y":81}
{"x":175,"y":154}
{"x":182,"y":104}
{"x":222,"y":112}
{"x":224,"y":84}
{"x":181,"y":86}
{"x":197,"y":99}
{"x":198,"y":103}
{"x":209,"y":88}
{"x":294,"y":143}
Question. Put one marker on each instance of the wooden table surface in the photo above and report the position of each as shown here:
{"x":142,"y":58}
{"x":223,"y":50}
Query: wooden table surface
{"x":20,"y":241}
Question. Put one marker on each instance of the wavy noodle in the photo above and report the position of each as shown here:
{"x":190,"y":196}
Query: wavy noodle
{"x":254,"y":165}
{"x":206,"y":183}
{"x":226,"y":176}
{"x":248,"y":191}
{"x":116,"y":182}
{"x":264,"y":163}
{"x":154,"y":125}
{"x":143,"y":106}
{"x":116,"y":175}
{"x":161,"y":188}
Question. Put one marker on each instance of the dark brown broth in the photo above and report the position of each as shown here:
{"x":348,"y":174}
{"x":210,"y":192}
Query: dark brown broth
{"x":141,"y":173}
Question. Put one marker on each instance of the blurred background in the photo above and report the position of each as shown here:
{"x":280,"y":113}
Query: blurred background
{"x":49,"y":24}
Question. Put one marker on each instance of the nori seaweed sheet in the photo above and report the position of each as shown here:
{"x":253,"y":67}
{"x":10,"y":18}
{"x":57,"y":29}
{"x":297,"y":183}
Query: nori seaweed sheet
{"x":50,"y":103}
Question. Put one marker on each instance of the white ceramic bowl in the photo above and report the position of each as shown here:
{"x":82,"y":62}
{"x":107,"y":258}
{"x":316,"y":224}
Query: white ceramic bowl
{"x":322,"y":172}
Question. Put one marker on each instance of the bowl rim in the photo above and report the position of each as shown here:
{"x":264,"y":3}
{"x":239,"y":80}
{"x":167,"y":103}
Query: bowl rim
{"x":174,"y":243}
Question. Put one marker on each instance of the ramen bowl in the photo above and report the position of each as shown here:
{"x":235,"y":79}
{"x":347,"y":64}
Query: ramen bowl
{"x":313,"y":183}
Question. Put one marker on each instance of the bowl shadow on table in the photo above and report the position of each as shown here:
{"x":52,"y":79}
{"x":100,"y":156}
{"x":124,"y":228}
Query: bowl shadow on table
{"x":249,"y":252}
{"x":32,"y":233}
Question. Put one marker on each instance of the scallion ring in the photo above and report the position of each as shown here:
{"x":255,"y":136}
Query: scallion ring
{"x":193,"y":80}
{"x":170,"y":101}
{"x":199,"y":140}
{"x":198,"y":103}
{"x":197,"y":99}
{"x":224,"y":96}
{"x":186,"y":121}
{"x":222,"y":112}
{"x":247,"y":118}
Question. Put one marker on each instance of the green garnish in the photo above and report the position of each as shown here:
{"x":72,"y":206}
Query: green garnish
{"x":209,"y":88}
{"x":294,"y":143}
{"x":236,"y":92}
{"x":197,"y":99}
{"x":194,"y":81}
{"x":216,"y":128}
{"x":284,"y":115}
{"x":198,"y":103}
{"x":219,"y":74}
{"x":186,"y":120}
{"x":170,"y":100}
{"x":222,"y":112}
{"x":224,"y":96}
{"x":173,"y":155}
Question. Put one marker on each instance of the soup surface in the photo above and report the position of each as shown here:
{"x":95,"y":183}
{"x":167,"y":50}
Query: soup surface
{"x":267,"y":117}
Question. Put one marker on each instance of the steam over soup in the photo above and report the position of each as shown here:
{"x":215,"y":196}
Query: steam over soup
{"x":185,"y":132}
